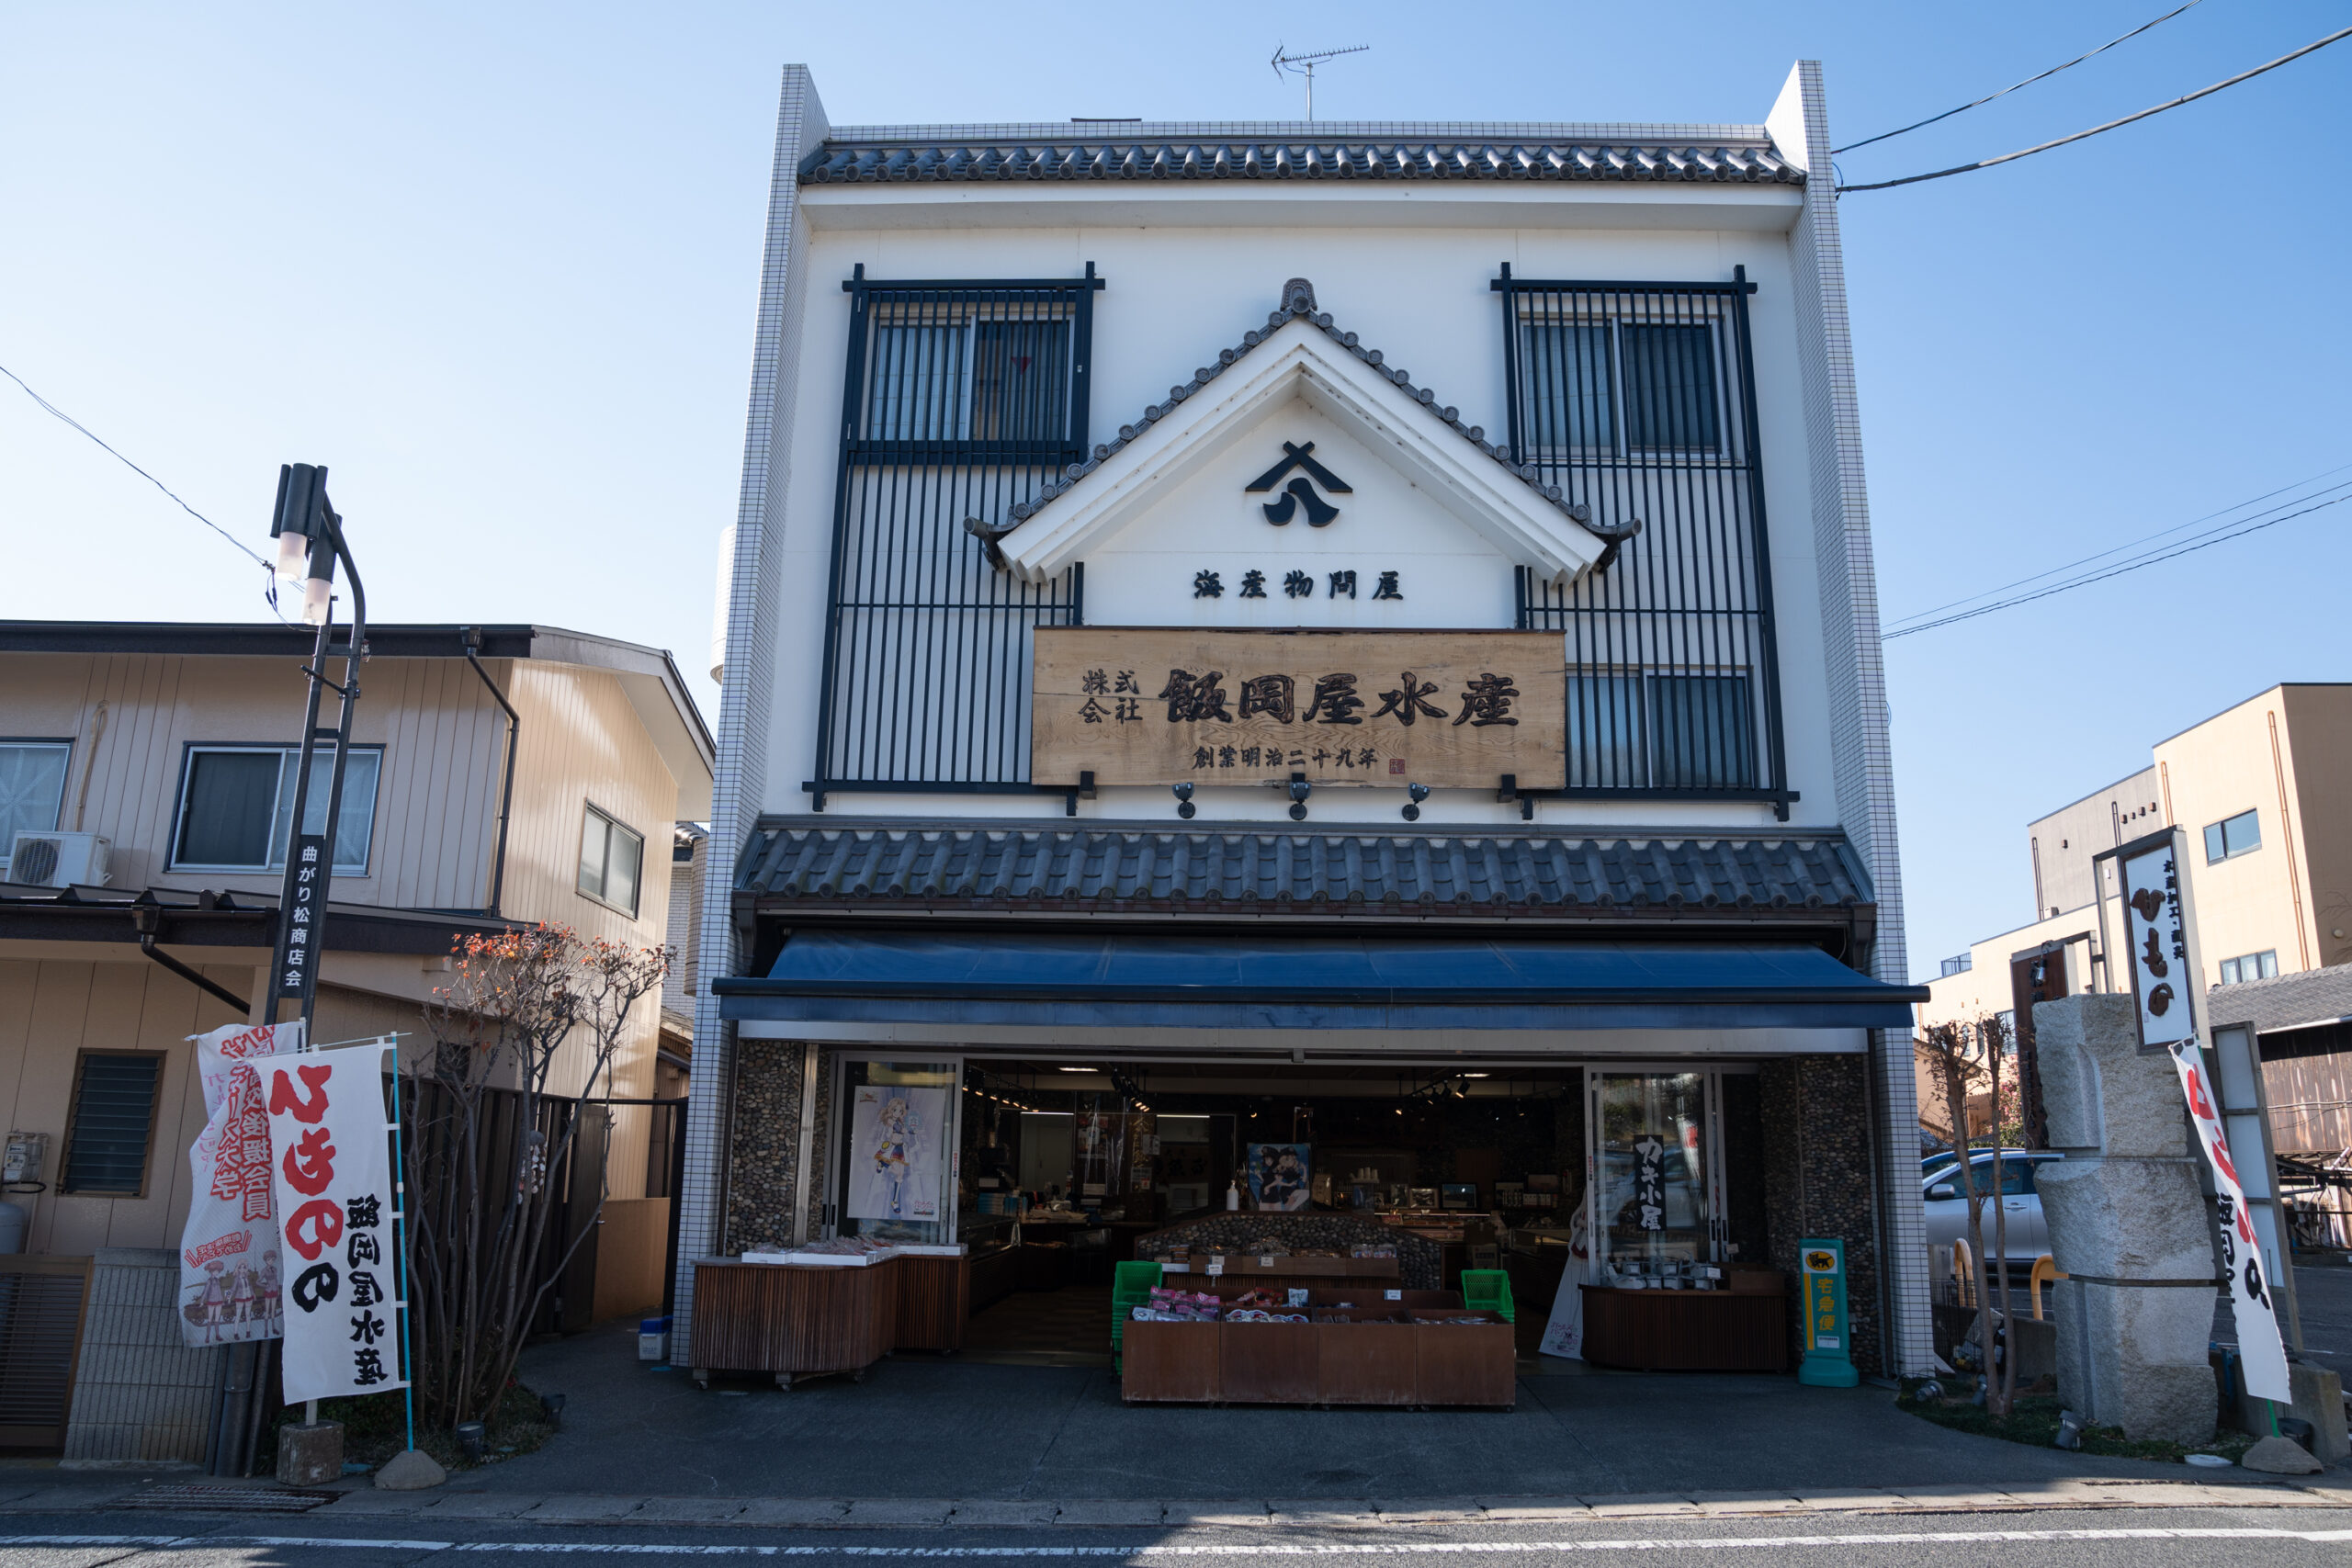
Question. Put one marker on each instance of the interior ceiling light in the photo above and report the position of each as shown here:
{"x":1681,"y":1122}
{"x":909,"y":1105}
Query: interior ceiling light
{"x":1074,"y":1069}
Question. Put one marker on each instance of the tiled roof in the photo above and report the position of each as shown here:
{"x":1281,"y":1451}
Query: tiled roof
{"x":2284,"y":1001}
{"x":1274,"y":871}
{"x":918,"y":157}
{"x":1298,"y":302}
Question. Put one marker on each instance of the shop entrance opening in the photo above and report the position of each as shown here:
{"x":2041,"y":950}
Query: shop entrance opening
{"x":1290,"y":1188}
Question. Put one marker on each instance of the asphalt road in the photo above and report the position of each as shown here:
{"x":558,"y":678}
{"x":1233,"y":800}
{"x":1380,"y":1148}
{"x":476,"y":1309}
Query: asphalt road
{"x":2170,"y":1537}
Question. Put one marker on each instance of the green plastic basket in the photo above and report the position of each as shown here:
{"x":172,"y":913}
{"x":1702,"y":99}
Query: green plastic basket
{"x":1488,"y":1290}
{"x":1131,"y":1286}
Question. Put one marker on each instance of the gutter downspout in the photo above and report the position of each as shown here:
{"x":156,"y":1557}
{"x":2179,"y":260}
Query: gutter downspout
{"x":148,"y":922}
{"x":472,"y":635}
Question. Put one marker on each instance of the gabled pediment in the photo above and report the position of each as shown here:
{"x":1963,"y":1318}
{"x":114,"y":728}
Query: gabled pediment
{"x":1299,"y":356}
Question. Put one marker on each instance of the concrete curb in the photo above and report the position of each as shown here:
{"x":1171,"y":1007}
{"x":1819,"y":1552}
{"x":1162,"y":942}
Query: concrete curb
{"x":917,"y":1513}
{"x":2333,"y":1490}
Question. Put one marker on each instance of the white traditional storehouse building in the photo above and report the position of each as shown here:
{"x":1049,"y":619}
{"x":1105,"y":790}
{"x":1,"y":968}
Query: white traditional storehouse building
{"x":1371,"y":617}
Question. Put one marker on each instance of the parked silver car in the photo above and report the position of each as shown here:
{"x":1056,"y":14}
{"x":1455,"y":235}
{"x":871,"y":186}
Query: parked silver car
{"x":1941,"y":1200}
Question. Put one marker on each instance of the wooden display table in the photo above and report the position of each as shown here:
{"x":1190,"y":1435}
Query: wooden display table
{"x":795,"y":1319}
{"x":1342,"y":1358}
{"x":934,"y":1302}
{"x":1685,"y":1331}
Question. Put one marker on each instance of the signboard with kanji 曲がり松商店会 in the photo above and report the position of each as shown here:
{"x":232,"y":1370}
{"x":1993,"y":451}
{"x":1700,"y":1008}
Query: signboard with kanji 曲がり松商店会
{"x":1163,"y":705}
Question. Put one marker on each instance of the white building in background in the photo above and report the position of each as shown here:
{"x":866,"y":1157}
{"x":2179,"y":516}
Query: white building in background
{"x":1505,"y":480}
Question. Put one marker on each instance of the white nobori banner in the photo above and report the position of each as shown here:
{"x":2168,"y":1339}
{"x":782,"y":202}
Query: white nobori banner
{"x":2260,"y":1348}
{"x":337,"y":1213}
{"x":228,"y":1257}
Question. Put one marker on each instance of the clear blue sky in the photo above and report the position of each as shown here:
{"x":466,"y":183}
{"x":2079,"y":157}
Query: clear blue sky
{"x":497,"y":267}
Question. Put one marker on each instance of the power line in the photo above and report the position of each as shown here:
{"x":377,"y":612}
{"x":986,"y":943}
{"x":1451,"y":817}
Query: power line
{"x":2131,"y":544}
{"x":2110,"y":125}
{"x":268,"y":567}
{"x":2029,"y":82}
{"x":2119,"y":570}
{"x":52,"y":408}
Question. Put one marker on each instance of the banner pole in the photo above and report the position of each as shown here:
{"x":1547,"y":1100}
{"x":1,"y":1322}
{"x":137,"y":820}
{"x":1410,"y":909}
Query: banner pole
{"x":400,"y":1259}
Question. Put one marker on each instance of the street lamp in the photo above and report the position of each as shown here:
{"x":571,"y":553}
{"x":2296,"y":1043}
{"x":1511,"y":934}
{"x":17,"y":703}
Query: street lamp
{"x":310,"y":541}
{"x":308,"y":533}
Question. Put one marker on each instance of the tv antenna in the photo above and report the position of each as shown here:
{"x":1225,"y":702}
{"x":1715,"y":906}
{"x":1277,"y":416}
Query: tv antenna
{"x":1303,"y":62}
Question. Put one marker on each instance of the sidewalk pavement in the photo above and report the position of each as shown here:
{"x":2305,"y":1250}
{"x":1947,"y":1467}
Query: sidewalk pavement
{"x":955,"y":1429}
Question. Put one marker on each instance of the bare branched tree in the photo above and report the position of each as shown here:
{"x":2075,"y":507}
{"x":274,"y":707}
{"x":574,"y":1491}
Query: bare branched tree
{"x":1960,"y":1056}
{"x":486,"y":1144}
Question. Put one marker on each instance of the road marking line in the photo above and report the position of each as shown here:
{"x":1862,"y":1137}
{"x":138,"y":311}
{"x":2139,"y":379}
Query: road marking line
{"x":1235,"y":1549}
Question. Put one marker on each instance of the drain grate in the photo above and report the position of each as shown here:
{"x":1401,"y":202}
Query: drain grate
{"x":193,"y":1498}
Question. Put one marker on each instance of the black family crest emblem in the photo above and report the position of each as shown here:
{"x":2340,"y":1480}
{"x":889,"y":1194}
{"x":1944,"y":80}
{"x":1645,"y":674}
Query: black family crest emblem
{"x":1300,"y":492}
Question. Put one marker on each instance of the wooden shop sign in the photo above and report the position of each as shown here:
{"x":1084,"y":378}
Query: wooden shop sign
{"x":1163,"y":705}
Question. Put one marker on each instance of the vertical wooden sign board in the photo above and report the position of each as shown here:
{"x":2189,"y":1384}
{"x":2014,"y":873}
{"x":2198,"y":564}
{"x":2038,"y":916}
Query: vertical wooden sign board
{"x":1828,"y":1347}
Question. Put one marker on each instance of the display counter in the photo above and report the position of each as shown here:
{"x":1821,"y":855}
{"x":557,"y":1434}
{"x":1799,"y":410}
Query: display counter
{"x":799,"y":1320}
{"x":1687,"y":1331}
{"x":793,"y":1320}
{"x":1400,"y":1357}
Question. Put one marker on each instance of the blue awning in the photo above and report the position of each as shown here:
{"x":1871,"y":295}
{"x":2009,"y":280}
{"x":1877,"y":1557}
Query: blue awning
{"x":1234,"y":982}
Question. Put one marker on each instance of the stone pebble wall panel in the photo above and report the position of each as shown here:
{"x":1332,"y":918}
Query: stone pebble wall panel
{"x":141,"y":1396}
{"x":766,"y":1128}
{"x":1816,"y":1146}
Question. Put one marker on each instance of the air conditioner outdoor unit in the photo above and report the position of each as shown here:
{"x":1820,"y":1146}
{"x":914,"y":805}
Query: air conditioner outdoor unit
{"x":58,"y":860}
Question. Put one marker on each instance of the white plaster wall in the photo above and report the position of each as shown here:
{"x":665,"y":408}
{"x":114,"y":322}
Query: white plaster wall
{"x":1176,"y":296}
{"x":1450,"y":577}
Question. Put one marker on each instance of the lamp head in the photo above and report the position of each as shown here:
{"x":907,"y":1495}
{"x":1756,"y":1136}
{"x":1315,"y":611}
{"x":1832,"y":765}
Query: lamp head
{"x":1299,"y":790}
{"x":1183,"y":792}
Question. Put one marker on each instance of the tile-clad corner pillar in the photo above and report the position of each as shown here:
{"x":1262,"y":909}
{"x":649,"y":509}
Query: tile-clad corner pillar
{"x":1864,"y":765}
{"x":1817,"y":1183}
{"x":740,"y":781}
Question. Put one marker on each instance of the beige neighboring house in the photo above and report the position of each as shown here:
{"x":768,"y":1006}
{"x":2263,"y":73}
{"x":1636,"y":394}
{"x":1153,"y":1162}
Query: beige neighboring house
{"x":500,"y":776}
{"x":2259,"y":786}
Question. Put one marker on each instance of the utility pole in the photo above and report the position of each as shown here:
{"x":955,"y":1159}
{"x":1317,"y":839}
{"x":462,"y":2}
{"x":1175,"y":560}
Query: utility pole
{"x":309,"y":542}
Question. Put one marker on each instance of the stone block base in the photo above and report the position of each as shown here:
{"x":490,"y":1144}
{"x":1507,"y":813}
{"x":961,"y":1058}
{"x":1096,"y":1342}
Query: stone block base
{"x":310,"y":1454}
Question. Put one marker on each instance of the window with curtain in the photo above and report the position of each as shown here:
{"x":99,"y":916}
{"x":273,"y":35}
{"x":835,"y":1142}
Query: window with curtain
{"x":983,"y":381}
{"x":918,"y":378}
{"x":1704,"y":732}
{"x":1630,"y":731}
{"x":236,"y":807}
{"x":612,"y":862}
{"x":1575,"y":377}
{"x":1670,"y":397}
{"x":32,"y":789}
{"x":1020,"y":380}
{"x":1608,"y":741}
{"x":1569,"y":372}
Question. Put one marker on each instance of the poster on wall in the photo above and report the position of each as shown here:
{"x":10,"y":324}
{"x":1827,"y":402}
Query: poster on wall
{"x":337,"y":1220}
{"x":1279,"y":1176}
{"x":895,"y":1135}
{"x":229,"y":1258}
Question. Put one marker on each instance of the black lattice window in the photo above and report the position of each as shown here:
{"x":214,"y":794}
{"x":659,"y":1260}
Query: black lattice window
{"x":960,"y":400}
{"x":1637,"y":399}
